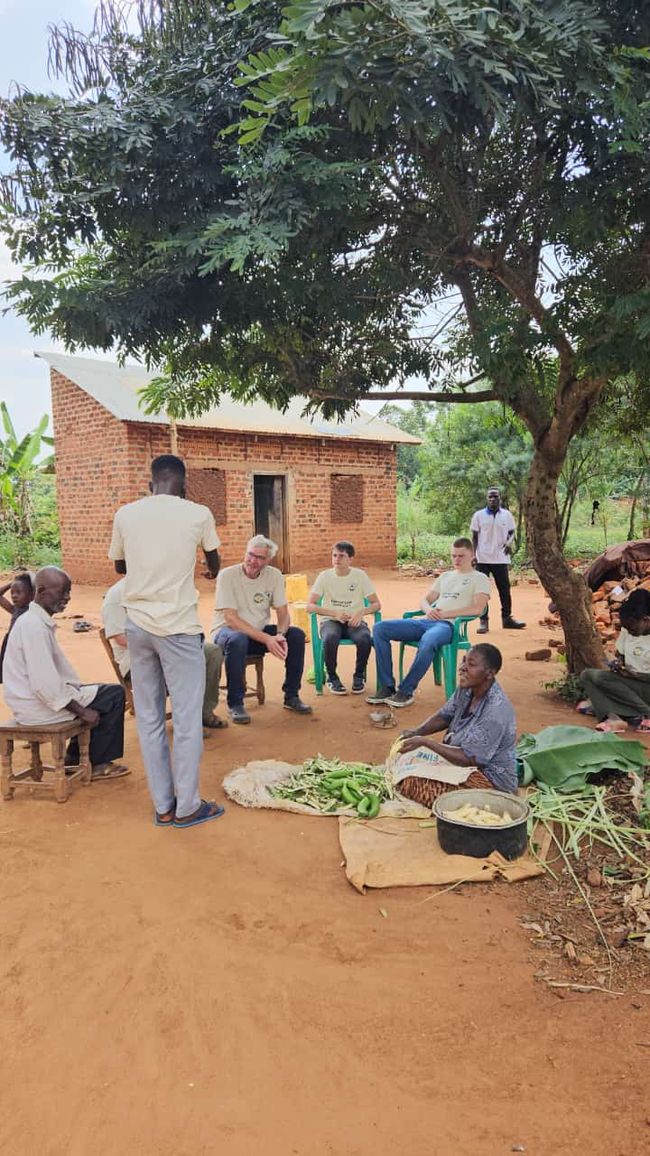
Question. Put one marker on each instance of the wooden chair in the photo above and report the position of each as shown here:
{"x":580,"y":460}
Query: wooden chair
{"x":118,"y":674}
{"x":256,"y":660}
{"x":58,"y":735}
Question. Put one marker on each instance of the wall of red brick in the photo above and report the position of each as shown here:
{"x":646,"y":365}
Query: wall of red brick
{"x":101,"y":463}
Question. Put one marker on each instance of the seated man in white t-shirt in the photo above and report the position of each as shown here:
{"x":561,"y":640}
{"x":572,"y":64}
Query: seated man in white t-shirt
{"x":459,"y":592}
{"x":339,"y":597}
{"x":244,"y":597}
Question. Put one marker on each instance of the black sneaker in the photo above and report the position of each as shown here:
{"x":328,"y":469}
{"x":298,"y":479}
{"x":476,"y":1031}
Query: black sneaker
{"x":358,"y":684}
{"x":295,"y":703}
{"x":399,"y":698}
{"x":483,"y":628}
{"x":336,"y":686}
{"x":513,"y":624}
{"x":239,"y":715}
{"x":381,"y":695}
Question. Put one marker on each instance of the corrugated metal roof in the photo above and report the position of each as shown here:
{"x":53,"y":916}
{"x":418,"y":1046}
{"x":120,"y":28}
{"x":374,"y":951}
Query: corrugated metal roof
{"x":116,"y":387}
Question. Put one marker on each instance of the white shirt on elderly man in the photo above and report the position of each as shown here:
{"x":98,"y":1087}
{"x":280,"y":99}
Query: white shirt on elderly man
{"x":38,"y":679}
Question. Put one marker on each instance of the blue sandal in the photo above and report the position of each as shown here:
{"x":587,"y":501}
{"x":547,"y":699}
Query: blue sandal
{"x":207,"y":811}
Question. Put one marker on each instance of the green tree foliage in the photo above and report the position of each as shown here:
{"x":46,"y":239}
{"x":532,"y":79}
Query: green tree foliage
{"x":19,"y":468}
{"x":389,"y":162}
{"x":468,"y":449}
{"x":414,"y":419}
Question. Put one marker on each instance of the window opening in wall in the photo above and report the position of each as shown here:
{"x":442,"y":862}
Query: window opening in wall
{"x":346,"y":498}
{"x":208,"y":488}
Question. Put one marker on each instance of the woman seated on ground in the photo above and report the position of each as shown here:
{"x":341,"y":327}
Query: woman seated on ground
{"x":21,"y":591}
{"x":620,"y":695}
{"x":480,"y":733}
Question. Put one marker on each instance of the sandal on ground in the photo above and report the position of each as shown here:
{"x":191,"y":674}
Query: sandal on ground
{"x":644,"y":726}
{"x":162,"y":820}
{"x":612,"y":727}
{"x":105,"y":771}
{"x":214,"y":724}
{"x":585,"y":707}
{"x":207,"y":811}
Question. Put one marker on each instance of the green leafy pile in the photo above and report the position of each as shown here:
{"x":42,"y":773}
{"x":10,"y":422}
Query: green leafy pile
{"x":330,"y":785}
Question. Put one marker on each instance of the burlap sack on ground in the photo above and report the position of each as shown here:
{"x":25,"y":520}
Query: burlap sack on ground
{"x":250,"y":787}
{"x":390,"y":852}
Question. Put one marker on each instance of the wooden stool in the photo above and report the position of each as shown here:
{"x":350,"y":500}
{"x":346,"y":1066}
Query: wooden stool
{"x":57,"y":734}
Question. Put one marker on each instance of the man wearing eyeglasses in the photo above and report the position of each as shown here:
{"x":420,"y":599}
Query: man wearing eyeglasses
{"x":245,"y":595}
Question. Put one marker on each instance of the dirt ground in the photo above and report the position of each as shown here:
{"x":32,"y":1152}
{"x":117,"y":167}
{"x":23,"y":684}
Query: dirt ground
{"x":224,"y":990}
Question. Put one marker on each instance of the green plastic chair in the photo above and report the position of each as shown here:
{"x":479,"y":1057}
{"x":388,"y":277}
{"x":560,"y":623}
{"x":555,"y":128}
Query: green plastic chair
{"x":317,"y":649}
{"x":445,"y":659}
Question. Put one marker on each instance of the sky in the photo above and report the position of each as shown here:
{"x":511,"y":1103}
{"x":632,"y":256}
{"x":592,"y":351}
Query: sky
{"x":24,"y":380}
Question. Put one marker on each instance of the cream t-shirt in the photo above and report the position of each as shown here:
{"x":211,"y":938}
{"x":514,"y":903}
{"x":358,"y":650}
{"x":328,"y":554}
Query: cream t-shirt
{"x":114,"y":622}
{"x":251,"y":598}
{"x":343,"y":593}
{"x":635,"y":651}
{"x":158,"y":538}
{"x":456,"y":591}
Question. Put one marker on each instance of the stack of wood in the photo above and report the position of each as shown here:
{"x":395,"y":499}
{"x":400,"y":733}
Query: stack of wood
{"x":608,"y":597}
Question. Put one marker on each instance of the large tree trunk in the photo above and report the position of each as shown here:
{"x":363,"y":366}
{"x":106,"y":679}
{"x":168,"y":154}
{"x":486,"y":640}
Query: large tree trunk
{"x":566,"y":587}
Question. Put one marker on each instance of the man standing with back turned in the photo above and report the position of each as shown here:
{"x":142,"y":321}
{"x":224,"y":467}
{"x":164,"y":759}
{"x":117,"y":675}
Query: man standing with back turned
{"x":154,"y":543}
{"x":493,"y":534}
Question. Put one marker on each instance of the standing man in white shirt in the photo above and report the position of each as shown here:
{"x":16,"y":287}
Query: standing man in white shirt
{"x":493,"y":534}
{"x":41,"y":687}
{"x":154,"y":543}
{"x":114,"y":622}
{"x":244,"y":597}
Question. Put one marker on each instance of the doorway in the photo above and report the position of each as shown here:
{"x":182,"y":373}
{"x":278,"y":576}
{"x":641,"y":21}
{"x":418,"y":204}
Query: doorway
{"x":269,"y":493}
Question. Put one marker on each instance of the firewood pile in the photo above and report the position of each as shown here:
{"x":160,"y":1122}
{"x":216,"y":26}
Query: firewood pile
{"x":606,"y":601}
{"x":608,"y":597}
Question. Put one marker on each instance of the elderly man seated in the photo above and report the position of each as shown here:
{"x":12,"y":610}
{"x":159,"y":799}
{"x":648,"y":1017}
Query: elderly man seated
{"x":244,"y":597}
{"x":41,"y":687}
{"x":114,"y":622}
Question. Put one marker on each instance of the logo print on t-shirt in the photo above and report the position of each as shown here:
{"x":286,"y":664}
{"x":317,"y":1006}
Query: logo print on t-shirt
{"x":259,"y":598}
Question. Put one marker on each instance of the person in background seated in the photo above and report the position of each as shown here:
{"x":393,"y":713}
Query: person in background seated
{"x":480,"y":732}
{"x":42,"y":688}
{"x":338,"y":596}
{"x":244,"y":597}
{"x":459,"y":592}
{"x":620,"y":695}
{"x":21,"y":591}
{"x":114,"y":623}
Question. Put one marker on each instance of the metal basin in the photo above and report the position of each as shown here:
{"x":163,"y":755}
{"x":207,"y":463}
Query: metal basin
{"x":457,"y":837}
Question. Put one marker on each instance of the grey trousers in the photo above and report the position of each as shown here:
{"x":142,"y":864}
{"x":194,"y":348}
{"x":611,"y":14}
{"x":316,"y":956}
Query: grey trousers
{"x":612,"y":693}
{"x":173,"y":665}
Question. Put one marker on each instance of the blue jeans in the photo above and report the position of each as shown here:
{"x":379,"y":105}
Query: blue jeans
{"x":429,"y":635}
{"x":237,"y":646}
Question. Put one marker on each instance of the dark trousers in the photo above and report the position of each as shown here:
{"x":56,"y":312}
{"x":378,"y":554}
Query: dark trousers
{"x":332,"y":633}
{"x":107,"y":738}
{"x":236,"y":646}
{"x":500,"y":573}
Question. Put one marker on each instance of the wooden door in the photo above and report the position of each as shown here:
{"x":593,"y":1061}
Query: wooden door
{"x":270,"y":513}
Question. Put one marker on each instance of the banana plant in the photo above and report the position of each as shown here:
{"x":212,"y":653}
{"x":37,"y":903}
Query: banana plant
{"x":18,"y":467}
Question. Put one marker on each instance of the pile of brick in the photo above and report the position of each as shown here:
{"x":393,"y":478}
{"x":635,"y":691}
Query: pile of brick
{"x":608,"y":597}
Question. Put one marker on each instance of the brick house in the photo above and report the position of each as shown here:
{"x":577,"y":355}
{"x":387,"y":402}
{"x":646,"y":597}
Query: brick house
{"x":302,"y":481}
